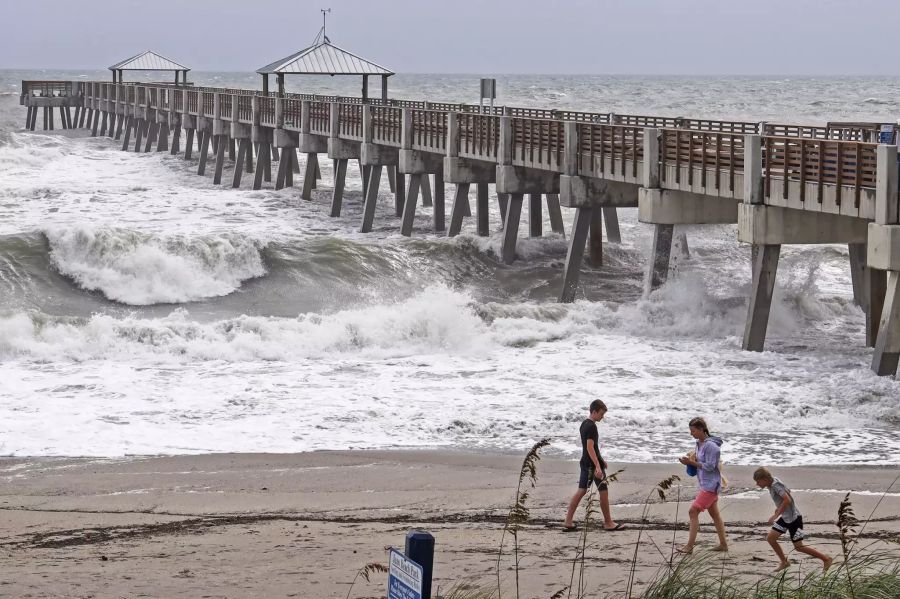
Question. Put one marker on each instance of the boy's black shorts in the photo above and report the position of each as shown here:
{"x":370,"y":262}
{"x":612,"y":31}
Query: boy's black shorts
{"x":794,"y":529}
{"x":587,"y":477}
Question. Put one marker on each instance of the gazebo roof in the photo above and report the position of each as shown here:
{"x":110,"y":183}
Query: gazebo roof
{"x":148,"y":61}
{"x":324,"y":58}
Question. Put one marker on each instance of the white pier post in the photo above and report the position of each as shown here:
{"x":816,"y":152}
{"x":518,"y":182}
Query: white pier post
{"x":884,"y":264}
{"x":765,"y":257}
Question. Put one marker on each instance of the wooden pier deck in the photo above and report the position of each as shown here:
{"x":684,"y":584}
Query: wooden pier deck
{"x":780,"y":183}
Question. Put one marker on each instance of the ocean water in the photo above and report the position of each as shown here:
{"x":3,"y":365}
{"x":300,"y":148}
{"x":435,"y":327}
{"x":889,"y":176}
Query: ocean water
{"x":145,"y":311}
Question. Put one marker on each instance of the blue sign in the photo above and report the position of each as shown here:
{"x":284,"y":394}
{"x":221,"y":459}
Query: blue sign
{"x":404,"y":577}
{"x":886,"y":134}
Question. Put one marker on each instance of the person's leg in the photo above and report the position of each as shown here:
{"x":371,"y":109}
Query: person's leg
{"x":608,"y":522}
{"x":772,"y":538}
{"x":573,"y":505}
{"x":694,"y":515}
{"x":826,"y":561}
{"x":720,"y":527}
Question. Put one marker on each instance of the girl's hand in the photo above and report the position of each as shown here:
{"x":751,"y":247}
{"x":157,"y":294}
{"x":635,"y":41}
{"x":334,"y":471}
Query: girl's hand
{"x":772,"y":519}
{"x":686,"y":461}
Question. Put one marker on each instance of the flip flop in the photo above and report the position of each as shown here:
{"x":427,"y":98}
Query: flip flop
{"x":618,"y":526}
{"x":572,"y":528}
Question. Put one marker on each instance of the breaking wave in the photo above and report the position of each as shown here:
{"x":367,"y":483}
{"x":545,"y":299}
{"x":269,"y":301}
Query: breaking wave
{"x":140,"y":269}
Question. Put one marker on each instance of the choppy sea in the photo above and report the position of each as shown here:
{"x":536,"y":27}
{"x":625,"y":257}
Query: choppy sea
{"x":144,"y":310}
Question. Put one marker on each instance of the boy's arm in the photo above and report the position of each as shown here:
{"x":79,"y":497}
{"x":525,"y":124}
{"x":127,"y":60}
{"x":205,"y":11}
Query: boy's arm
{"x":593,"y":454}
{"x":780,"y":509}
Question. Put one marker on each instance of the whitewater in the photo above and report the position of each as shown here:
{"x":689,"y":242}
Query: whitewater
{"x":145,"y":311}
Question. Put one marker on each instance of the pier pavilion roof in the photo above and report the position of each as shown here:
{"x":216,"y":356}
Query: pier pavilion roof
{"x":148,"y":61}
{"x":324,"y":58}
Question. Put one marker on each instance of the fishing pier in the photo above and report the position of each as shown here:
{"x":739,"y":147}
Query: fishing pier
{"x":780,"y":183}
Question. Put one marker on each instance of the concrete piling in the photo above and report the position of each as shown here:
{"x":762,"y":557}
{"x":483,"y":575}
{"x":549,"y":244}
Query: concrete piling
{"x":340,"y":177}
{"x":535,"y":215}
{"x":371,"y":199}
{"x":577,"y":242}
{"x":765,"y":267}
{"x":409,"y":206}
{"x":510,"y":225}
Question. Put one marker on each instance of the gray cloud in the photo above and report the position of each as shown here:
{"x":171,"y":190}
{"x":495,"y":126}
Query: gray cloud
{"x":818,"y":37}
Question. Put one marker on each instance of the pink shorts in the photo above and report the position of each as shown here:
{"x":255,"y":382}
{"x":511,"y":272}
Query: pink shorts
{"x":705,"y":500}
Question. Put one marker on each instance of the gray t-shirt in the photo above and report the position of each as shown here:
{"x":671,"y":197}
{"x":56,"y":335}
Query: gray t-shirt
{"x":779,"y":491}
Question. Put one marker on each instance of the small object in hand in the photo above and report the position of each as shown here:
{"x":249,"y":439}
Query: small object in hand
{"x":691,"y":470}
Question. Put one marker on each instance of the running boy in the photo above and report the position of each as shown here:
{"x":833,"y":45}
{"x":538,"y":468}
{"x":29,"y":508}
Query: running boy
{"x":786,"y":519}
{"x":593,"y":469}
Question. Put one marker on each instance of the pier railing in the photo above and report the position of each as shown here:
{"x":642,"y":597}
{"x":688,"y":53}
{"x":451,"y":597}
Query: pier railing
{"x":538,"y":143}
{"x":811,"y":170}
{"x":700,"y":161}
{"x":387,"y":125}
{"x":266,"y":105}
{"x":320,"y":118}
{"x":478,"y":136}
{"x":48,"y":89}
{"x":350,"y":121}
{"x":429,"y":130}
{"x":610,"y":151}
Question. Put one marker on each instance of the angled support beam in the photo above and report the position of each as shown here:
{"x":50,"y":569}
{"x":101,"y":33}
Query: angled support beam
{"x":612,"y":224}
{"x":409,"y":207}
{"x":660,"y":250}
{"x":340,"y":177}
{"x":204,"y":152}
{"x":460,"y":207}
{"x":510,"y":227}
{"x":371,"y":199}
{"x":309,"y":178}
{"x":887,"y":345}
{"x":221,"y":147}
{"x":556,"y":219}
{"x":243,"y":148}
{"x":575,"y":255}
{"x":765,"y":267}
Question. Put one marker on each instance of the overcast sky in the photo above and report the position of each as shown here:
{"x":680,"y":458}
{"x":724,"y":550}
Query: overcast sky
{"x":817,"y":37}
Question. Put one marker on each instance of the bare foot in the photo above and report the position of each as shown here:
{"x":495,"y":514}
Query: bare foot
{"x":684,"y":549}
{"x":720,"y":548}
{"x":783,"y":566}
{"x":827,"y":564}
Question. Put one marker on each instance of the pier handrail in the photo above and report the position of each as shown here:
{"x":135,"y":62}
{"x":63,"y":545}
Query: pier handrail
{"x":350,"y":121}
{"x":843,"y":164}
{"x":429,"y":130}
{"x":538,"y":143}
{"x":47,"y":89}
{"x":711,"y":153}
{"x":613,"y":151}
{"x":387,"y":125}
{"x":478,"y":136}
{"x":320,"y":118}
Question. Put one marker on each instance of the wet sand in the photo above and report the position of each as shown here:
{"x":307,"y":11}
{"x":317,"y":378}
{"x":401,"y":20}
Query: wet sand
{"x":302,"y":525}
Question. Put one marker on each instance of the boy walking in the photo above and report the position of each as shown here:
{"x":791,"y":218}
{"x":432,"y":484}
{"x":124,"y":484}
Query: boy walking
{"x":786,"y":519}
{"x":593,"y":469}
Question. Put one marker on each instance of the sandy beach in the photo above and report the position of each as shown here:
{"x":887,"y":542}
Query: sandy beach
{"x":302,"y":525}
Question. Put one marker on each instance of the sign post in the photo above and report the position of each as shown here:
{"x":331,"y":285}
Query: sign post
{"x":489,"y":92}
{"x":404,"y":577}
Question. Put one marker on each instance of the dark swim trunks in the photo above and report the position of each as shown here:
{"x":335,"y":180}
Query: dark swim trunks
{"x":587,"y":477}
{"x":794,"y":528}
